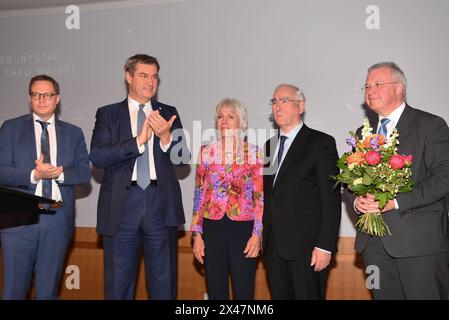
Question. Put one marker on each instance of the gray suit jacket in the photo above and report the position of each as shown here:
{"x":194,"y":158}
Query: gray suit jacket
{"x":420,"y":225}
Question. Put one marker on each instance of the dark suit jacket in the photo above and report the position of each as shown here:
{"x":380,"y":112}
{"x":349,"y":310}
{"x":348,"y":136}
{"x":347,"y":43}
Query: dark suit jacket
{"x":420,"y":226}
{"x":18,"y":153}
{"x":114,"y":149}
{"x":302,"y":210}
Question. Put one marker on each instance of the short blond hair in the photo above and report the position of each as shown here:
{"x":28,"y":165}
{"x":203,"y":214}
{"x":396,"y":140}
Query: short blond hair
{"x":239,"y":109}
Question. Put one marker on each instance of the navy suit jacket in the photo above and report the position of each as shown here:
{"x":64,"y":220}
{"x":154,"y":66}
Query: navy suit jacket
{"x":114,"y":149}
{"x":18,"y":153}
{"x":420,"y":226}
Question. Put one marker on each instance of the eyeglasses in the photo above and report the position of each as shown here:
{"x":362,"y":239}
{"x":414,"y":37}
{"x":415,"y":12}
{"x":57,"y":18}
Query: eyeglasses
{"x":37,"y":96}
{"x":377,"y":85}
{"x":281,"y":101}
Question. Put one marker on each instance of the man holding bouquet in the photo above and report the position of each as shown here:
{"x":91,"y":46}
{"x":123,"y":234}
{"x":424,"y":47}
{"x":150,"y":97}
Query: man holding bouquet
{"x":413,"y":259}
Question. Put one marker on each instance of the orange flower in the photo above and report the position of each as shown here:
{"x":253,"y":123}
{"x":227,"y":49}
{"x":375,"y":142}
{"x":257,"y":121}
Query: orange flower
{"x":380,"y":140}
{"x":357,"y":157}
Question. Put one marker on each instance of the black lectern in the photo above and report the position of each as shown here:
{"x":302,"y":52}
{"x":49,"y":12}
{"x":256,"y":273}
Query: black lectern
{"x":20,"y":208}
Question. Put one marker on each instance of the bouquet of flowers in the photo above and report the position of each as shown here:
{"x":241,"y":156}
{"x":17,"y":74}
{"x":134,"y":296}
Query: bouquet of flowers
{"x":373,"y":166}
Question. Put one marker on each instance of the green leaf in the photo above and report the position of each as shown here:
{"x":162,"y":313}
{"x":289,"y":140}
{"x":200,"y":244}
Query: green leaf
{"x":366,"y":180}
{"x":405,"y":189}
{"x":341,"y":163}
{"x":382,"y":197}
{"x":359,"y":189}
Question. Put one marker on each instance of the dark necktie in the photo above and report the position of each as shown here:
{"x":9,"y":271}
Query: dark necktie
{"x":383,"y":126}
{"x":45,"y":150}
{"x":281,"y":149}
{"x":143,"y":164}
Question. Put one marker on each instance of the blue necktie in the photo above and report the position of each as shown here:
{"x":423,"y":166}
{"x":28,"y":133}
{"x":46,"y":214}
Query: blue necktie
{"x":383,"y":127}
{"x":143,"y":164}
{"x":281,"y":149}
{"x":45,"y":150}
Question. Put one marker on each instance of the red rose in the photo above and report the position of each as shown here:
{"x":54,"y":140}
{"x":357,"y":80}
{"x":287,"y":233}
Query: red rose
{"x":373,"y":158}
{"x":408,"y":160}
{"x":397,"y":162}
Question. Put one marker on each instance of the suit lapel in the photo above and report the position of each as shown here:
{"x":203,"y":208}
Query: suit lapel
{"x":156,"y":149}
{"x":408,"y":136}
{"x":28,"y":139}
{"x":156,"y":106}
{"x":124,"y":120}
{"x":405,"y":124}
{"x":295,"y":149}
{"x":59,"y":131}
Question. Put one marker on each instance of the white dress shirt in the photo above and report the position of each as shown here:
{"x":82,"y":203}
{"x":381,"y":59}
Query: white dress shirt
{"x":290,"y":137}
{"x":133,"y":107}
{"x":394,"y":117}
{"x":55,"y":192}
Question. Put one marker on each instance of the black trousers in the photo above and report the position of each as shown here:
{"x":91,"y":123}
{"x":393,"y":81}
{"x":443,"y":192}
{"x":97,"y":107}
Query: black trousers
{"x":225,"y":240}
{"x":293,"y":279}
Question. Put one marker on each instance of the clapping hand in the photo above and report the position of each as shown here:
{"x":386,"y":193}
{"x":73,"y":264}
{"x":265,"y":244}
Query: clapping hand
{"x":160,"y":126}
{"x":44,"y":170}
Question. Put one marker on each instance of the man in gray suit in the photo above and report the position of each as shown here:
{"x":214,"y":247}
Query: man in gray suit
{"x":413,"y":260}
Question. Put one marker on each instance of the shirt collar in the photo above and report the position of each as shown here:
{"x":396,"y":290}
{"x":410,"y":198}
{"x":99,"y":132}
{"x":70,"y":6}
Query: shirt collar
{"x":134,"y":104}
{"x":395,"y":115}
{"x":49,"y":121}
{"x":292,"y":134}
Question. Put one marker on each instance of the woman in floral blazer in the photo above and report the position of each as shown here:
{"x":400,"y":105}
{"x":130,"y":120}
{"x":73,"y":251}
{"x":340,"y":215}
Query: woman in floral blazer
{"x":228,"y":206}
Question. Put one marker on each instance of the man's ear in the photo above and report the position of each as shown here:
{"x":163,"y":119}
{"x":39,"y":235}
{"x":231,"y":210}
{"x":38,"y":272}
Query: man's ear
{"x":301,"y":107}
{"x":400,"y":89}
{"x":128,"y":77}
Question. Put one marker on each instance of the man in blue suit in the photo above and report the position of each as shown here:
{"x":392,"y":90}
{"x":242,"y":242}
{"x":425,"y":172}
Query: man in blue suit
{"x":137,"y":142}
{"x":62,"y":162}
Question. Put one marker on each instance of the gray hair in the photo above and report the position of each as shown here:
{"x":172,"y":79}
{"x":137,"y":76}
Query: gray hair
{"x":396,"y":73}
{"x":239,"y":109}
{"x":299,"y":93}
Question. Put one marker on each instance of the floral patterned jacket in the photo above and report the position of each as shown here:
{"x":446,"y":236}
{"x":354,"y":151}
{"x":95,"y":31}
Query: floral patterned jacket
{"x":229,"y":186}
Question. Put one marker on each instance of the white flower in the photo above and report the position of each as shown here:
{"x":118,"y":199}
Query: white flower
{"x":367,"y":130}
{"x":393,"y":138}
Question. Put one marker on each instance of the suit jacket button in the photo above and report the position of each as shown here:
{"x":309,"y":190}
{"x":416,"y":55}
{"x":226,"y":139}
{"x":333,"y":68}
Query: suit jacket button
{"x":127,"y":188}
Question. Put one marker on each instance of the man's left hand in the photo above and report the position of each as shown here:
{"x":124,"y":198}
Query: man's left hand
{"x":161,"y":127}
{"x":320,"y":259}
{"x":389,"y":206}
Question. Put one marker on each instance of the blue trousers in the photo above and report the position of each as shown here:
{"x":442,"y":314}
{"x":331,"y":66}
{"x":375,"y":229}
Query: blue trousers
{"x":41,"y":248}
{"x":142,"y":231}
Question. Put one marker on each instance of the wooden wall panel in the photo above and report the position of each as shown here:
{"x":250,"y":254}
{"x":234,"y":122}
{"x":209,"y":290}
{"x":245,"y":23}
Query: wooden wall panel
{"x":346,"y":277}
